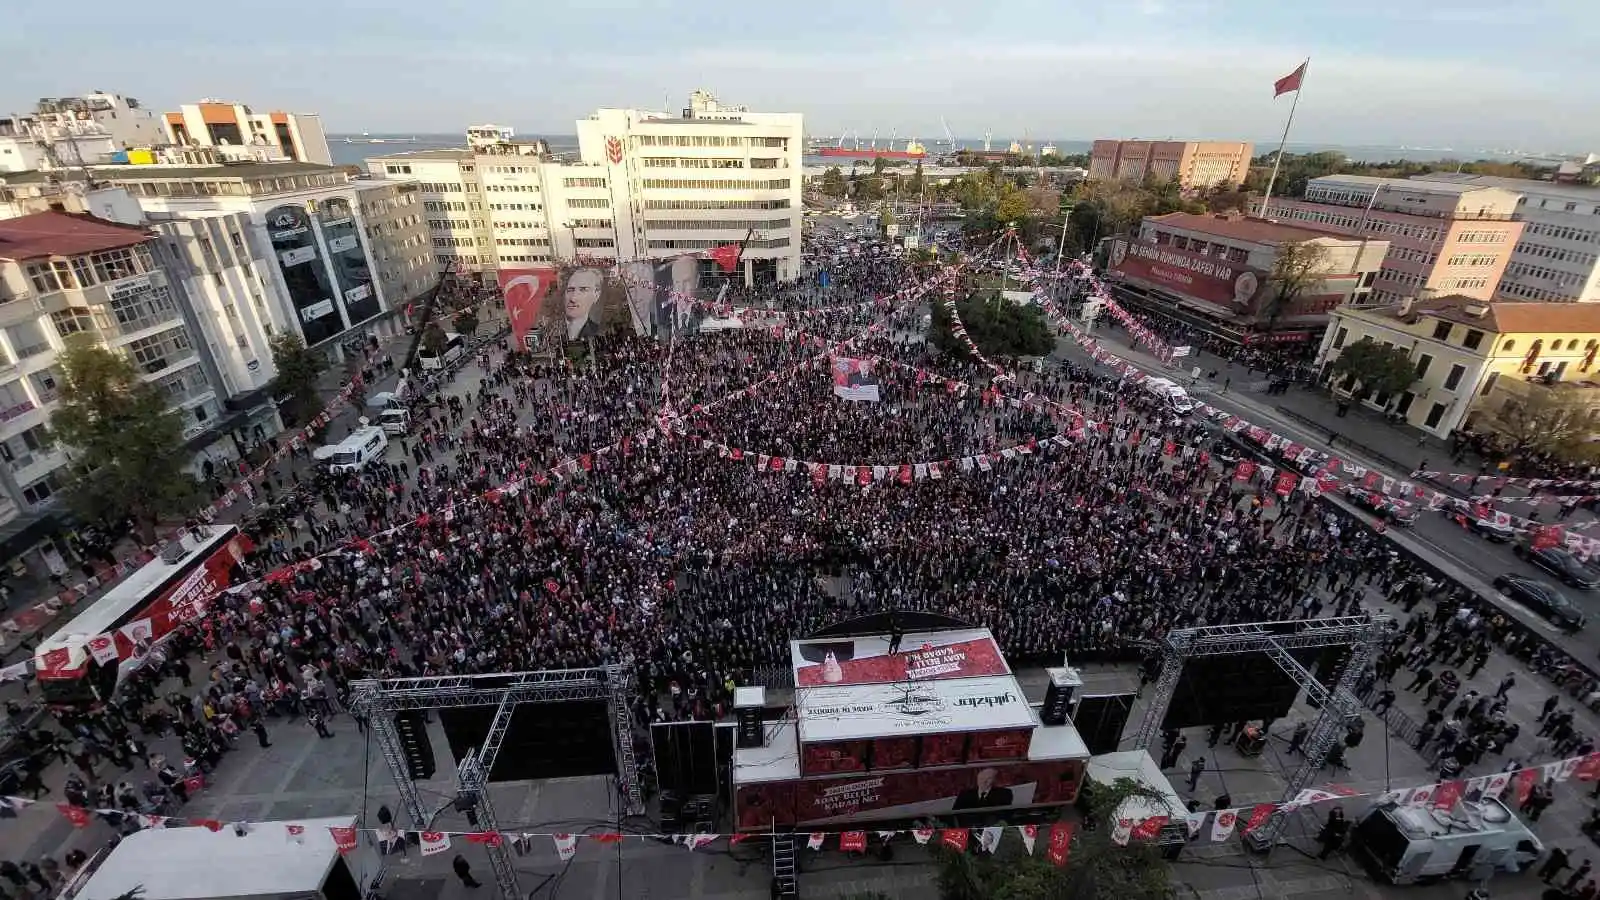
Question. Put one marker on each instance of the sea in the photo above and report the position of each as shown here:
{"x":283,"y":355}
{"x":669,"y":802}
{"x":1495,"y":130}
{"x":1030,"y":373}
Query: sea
{"x":353,"y":149}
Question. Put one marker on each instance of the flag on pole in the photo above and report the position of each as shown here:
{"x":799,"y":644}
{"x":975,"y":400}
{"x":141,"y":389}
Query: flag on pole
{"x":1290,"y":82}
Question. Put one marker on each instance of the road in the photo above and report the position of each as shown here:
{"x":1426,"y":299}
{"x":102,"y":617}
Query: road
{"x":1473,"y":560}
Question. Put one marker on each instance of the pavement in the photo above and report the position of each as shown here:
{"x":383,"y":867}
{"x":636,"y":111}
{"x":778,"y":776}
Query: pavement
{"x":1365,"y":439}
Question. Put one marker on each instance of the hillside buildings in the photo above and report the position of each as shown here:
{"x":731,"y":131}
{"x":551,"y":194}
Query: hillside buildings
{"x":1193,"y":164}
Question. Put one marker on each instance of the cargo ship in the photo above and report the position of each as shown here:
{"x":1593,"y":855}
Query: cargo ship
{"x":913,"y":150}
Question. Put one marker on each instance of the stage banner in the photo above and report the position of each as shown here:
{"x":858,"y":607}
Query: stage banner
{"x":998,"y":745}
{"x":964,"y":653}
{"x":853,"y":379}
{"x":1194,"y":275}
{"x":831,"y":758}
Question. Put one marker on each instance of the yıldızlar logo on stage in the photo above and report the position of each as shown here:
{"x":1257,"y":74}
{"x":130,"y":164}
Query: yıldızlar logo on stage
{"x":614,"y":150}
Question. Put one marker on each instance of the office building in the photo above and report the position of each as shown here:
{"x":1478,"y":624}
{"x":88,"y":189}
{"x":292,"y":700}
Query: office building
{"x":644,"y":185}
{"x":71,"y":131}
{"x":1557,"y":258}
{"x":218,"y":123}
{"x":1473,"y":357}
{"x":1193,"y":164}
{"x":1215,"y":274}
{"x":1444,"y":239}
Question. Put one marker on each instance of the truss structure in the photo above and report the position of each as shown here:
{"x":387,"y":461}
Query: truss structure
{"x":380,"y":699}
{"x":1363,"y":634}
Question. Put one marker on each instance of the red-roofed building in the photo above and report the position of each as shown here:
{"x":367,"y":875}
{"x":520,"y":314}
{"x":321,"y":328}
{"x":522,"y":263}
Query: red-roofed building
{"x":1215,"y":275}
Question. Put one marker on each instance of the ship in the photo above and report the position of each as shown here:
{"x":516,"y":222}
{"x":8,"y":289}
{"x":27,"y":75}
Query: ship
{"x":913,"y":150}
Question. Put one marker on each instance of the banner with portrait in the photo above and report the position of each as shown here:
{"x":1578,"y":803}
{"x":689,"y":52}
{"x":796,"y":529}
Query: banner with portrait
{"x":589,"y":300}
{"x":662,"y":294}
{"x":853,"y":379}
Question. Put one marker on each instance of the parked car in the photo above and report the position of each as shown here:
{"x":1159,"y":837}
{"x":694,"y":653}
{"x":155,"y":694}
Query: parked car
{"x":1488,"y":529}
{"x":1390,"y":509}
{"x":1542,"y":599}
{"x":1560,"y":563}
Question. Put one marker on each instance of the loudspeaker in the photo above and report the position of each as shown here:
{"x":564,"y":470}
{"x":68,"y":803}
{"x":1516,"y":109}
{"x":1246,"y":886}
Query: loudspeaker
{"x":413,"y":728}
{"x":747,"y":706}
{"x":1059,"y":696}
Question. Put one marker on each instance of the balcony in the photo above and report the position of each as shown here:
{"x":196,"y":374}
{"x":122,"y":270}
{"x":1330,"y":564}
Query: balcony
{"x":23,"y":307}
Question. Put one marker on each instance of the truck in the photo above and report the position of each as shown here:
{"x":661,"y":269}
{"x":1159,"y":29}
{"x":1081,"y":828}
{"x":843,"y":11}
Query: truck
{"x":1408,"y":844}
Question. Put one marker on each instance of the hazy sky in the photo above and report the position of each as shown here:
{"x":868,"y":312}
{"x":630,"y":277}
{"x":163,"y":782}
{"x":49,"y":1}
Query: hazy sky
{"x":1383,"y":71}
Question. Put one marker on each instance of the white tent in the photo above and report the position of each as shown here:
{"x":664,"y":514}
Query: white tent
{"x":200,"y":864}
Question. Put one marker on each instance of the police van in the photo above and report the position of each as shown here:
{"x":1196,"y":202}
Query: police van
{"x":352,"y":454}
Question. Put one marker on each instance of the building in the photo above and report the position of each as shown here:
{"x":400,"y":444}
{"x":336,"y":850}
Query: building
{"x":1215,"y":274}
{"x":1557,"y":258}
{"x":62,"y":273}
{"x":75,"y":130}
{"x":1444,"y":239}
{"x":217,"y":123}
{"x":499,"y":203}
{"x":1193,"y":164}
{"x":1474,"y":356}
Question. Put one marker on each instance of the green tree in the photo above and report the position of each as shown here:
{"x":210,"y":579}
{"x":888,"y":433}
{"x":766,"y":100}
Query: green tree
{"x":1374,"y":368}
{"x":433,"y":339}
{"x":1096,"y":869}
{"x":1552,"y":420}
{"x":917,"y":184}
{"x":298,"y":370}
{"x":878,"y":163}
{"x":833,"y":183}
{"x":1012,"y":205}
{"x":999,"y":328}
{"x":126,"y":444}
{"x":885,"y":219}
{"x":1296,"y":269}
{"x":466,"y":322}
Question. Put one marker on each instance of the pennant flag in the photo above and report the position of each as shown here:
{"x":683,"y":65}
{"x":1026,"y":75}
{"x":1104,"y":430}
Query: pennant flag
{"x":102,"y":648}
{"x":1245,"y":469}
{"x":989,"y":838}
{"x":954,"y":838}
{"x":212,"y":824}
{"x":1149,"y":828}
{"x":1525,"y":780}
{"x":734,"y":840}
{"x":1060,"y":843}
{"x":814,"y":840}
{"x":566,"y":846}
{"x":701,"y":840}
{"x":1121,"y":832}
{"x":1449,"y":794}
{"x":853,"y":842}
{"x":1029,"y":835}
{"x":486,"y":838}
{"x":1192,"y":823}
{"x":77,"y":815}
{"x":923,"y":835}
{"x":1588,"y":768}
{"x":433,"y":842}
{"x":344,"y":837}
{"x":1422,"y":796}
{"x":887,"y":836}
{"x":1259,"y":814}
{"x":295,"y":833}
{"x":1290,"y":82}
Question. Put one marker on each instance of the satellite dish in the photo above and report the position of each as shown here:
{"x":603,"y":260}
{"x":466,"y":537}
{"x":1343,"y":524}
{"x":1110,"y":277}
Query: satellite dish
{"x":364,"y":421}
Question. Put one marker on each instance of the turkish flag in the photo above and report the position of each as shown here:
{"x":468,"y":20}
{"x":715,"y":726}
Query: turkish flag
{"x":77,"y":815}
{"x":954,"y":838}
{"x":853,"y":841}
{"x":1290,"y":82}
{"x":344,"y":837}
{"x":1060,"y":843}
{"x":1149,"y":828}
{"x":524,"y":291}
{"x":727,"y":256}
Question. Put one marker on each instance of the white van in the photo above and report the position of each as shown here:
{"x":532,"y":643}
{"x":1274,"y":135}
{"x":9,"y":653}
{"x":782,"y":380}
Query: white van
{"x":352,"y":454}
{"x":1175,"y":396}
{"x":1409,"y":844}
{"x":395,"y":420}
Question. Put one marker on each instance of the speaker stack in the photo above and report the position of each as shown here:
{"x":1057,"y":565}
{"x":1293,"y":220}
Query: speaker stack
{"x":1061,"y":695}
{"x":747,"y":705}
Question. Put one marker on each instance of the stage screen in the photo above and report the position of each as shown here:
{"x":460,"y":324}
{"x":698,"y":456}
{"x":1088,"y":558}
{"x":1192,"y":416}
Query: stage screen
{"x":1234,"y":687}
{"x":686,"y":757}
{"x":545,"y":740}
{"x":1100,"y":721}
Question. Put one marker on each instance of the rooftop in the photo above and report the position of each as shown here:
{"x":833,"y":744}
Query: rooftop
{"x":64,"y":234}
{"x":1245,"y":228}
{"x":1508,"y":318}
{"x":1428,"y":186}
{"x":242,"y":171}
{"x":1520,"y":185}
{"x":444,"y":153}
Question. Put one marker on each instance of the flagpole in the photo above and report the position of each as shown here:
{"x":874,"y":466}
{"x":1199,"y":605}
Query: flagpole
{"x":1277,"y":161}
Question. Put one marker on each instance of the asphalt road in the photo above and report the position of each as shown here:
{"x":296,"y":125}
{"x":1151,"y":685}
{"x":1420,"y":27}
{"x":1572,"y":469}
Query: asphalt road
{"x":1434,"y":536}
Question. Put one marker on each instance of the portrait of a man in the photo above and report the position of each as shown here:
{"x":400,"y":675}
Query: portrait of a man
{"x":984,"y":794}
{"x":581,"y":302}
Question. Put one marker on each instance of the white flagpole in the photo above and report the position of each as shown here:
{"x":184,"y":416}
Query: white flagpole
{"x":1277,"y":161}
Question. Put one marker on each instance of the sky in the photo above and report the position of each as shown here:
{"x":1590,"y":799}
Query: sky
{"x":1383,"y":72}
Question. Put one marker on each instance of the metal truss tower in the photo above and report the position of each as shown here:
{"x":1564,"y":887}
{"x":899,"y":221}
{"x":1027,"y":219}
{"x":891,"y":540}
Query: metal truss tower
{"x":380,"y":699}
{"x":1340,"y":706}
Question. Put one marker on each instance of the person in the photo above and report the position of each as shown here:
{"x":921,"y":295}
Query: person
{"x":1333,"y":831}
{"x":984,"y":794}
{"x":1196,"y":769}
{"x":579,"y":301}
{"x":318,"y":723}
{"x":1578,"y":875}
{"x":463,"y":870}
{"x":1174,"y":752}
{"x":260,"y":729}
{"x":1298,"y":739}
{"x":1553,"y":864}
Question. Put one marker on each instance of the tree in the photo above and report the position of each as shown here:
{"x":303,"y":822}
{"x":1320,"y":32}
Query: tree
{"x":1296,"y":268}
{"x":433,"y":339}
{"x":878,"y":163}
{"x":833,"y":183}
{"x":1096,"y":869}
{"x":885,"y":219}
{"x":1012,"y":206}
{"x":1552,"y":420}
{"x":998,"y":327}
{"x":916,"y":185}
{"x":466,"y":322}
{"x":1376,"y":368}
{"x":298,"y":371}
{"x":126,"y":443}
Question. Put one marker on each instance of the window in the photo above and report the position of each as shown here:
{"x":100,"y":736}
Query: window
{"x":1508,"y":346}
{"x":1435,"y":413}
{"x":1473,"y":339}
{"x":1340,"y":337}
{"x":1423,"y":362}
{"x":585,"y":182}
{"x":1453,"y":380}
{"x":1488,"y":384}
{"x":1441,"y":331}
{"x":40,"y":490}
{"x":161,"y":351}
{"x":43,"y":277}
{"x":27,"y":339}
{"x":112,"y":265}
{"x":135,"y":312}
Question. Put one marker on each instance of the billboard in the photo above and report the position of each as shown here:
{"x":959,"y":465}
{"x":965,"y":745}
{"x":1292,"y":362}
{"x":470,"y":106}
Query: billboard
{"x":963,"y":653}
{"x":1204,"y":278}
{"x":525,"y":291}
{"x":852,"y":712}
{"x":906,"y":795}
{"x":853,"y":379}
{"x":662,"y":294}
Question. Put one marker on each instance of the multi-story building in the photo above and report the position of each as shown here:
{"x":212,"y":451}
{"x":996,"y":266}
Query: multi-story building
{"x":1473,"y":356}
{"x":63,"y":273}
{"x":499,"y":203}
{"x":1557,"y":259}
{"x":1193,"y":164}
{"x":216,"y":123}
{"x":1444,"y":239}
{"x":75,"y":130}
{"x":1217,"y":274}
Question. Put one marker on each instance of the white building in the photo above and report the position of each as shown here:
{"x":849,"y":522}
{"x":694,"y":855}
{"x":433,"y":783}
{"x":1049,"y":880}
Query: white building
{"x":1557,"y":259}
{"x":76,"y":130}
{"x":219,"y":123}
{"x":645,"y":185}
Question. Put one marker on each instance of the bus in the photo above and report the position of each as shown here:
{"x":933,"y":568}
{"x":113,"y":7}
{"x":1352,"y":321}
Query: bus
{"x":454,"y":346}
{"x":84,"y":661}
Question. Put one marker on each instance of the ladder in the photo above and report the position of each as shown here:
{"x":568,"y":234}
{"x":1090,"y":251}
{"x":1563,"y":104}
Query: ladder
{"x":784,"y":871}
{"x":618,"y":678}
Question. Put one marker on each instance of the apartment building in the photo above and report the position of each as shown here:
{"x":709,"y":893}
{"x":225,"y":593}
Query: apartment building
{"x":62,"y":273}
{"x":1473,"y":356}
{"x":71,"y":131}
{"x":219,"y":123}
{"x":1557,"y":259}
{"x":644,"y":185}
{"x":1193,"y":164}
{"x":1444,"y":239}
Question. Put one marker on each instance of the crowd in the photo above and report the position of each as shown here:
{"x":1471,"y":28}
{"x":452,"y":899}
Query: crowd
{"x":700,"y":567}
